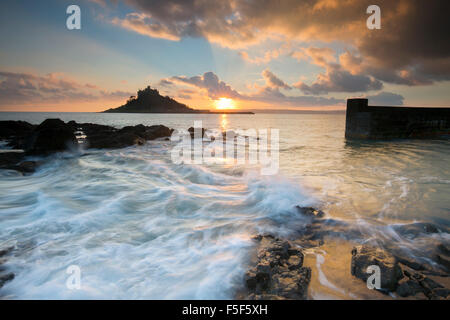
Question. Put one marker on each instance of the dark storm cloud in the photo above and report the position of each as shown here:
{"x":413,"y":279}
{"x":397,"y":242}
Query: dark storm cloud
{"x":412,"y":47}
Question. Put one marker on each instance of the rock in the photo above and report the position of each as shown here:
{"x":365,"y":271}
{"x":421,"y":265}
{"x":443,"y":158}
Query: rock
{"x":278,"y":272}
{"x":13,"y":161}
{"x":5,"y":278}
{"x":413,"y":230}
{"x":158,"y":131}
{"x":441,"y":292}
{"x":11,"y":129}
{"x":364,"y":256}
{"x":8,"y":159}
{"x":192,"y":132}
{"x":6,"y":251}
{"x":114,"y":140}
{"x":106,"y":137}
{"x":408,"y":288}
{"x":443,"y":262}
{"x":52,"y":135}
{"x":310,"y":212}
{"x":27,"y":166}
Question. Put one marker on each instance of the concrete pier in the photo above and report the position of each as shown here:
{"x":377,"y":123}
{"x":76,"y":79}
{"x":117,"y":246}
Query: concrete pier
{"x":373,"y":122}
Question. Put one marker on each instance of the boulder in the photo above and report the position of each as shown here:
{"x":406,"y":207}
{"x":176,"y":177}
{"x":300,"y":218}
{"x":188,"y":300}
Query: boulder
{"x":5,"y":276}
{"x":52,"y":135}
{"x":101,"y":137}
{"x":413,"y":230}
{"x":10,"y":129}
{"x":158,"y":131}
{"x":310,"y":212}
{"x":364,"y":256}
{"x":278,"y":272}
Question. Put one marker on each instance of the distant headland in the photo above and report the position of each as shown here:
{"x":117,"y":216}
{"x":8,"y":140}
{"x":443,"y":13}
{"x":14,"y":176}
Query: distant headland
{"x":150,"y":101}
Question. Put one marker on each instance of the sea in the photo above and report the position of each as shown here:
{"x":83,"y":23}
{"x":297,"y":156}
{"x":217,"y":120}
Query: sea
{"x":136,"y":225}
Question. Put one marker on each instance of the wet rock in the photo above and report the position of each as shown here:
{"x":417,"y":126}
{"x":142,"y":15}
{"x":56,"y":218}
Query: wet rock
{"x":106,"y":137}
{"x":15,"y":129}
{"x":413,"y":230}
{"x":441,"y":292}
{"x":13,"y":161}
{"x":191,"y":130}
{"x":443,"y":262}
{"x":407,"y":288}
{"x":5,"y":278}
{"x":310,"y":212}
{"x":8,"y":159}
{"x":278,"y":271}
{"x":364,"y":256}
{"x":416,"y":283}
{"x":156,"y":132}
{"x":52,"y":135}
{"x":114,"y":140}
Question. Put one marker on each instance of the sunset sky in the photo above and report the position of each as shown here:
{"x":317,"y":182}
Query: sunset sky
{"x":259,"y":54}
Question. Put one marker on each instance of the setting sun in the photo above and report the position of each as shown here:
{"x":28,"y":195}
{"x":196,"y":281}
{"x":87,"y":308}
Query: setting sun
{"x":224,"y":103}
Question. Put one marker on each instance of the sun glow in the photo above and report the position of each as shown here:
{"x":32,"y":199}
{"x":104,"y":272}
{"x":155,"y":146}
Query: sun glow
{"x":224,"y":103}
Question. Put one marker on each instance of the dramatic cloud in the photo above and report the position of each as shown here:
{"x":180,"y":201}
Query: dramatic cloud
{"x":216,"y":88}
{"x":27,"y":88}
{"x":336,"y":78}
{"x":412,"y":47}
{"x":273,"y":81}
{"x":269,"y":94}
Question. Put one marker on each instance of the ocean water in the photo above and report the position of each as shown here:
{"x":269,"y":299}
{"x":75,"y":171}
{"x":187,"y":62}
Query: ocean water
{"x":141,"y":227}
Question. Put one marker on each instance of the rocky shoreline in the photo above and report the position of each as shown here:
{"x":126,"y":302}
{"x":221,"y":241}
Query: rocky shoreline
{"x":277,"y":270}
{"x":54,"y":135}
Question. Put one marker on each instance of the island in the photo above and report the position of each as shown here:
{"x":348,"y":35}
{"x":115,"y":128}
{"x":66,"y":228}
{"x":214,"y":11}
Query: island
{"x":149,"y":100}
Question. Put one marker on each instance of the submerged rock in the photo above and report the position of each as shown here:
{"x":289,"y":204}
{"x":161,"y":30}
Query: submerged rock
{"x":364,"y":256}
{"x":51,"y":135}
{"x":106,"y":137}
{"x":278,"y":271}
{"x":310,"y":212}
{"x":4,"y":275}
{"x":416,"y":283}
{"x":15,"y":132}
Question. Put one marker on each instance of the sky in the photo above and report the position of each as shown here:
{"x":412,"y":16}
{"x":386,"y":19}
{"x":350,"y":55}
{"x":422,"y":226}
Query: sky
{"x":247,"y":54}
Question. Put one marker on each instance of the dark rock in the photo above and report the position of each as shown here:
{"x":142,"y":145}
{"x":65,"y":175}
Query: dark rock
{"x":102,"y":137}
{"x":444,"y":249}
{"x":364,"y":256}
{"x":158,"y":131}
{"x":441,"y":292}
{"x":191,"y":130}
{"x":407,"y":287}
{"x":413,"y":230}
{"x":443,"y":262}
{"x":6,"y":251}
{"x":310,"y":212}
{"x":5,"y":278}
{"x":278,"y":272}
{"x":10,"y":129}
{"x":52,"y":135}
{"x":114,"y":140}
{"x":13,"y":161}
{"x":8,"y":159}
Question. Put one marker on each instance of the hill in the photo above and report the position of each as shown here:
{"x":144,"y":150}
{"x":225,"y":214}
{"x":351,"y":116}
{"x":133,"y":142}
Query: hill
{"x":150,"y":101}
